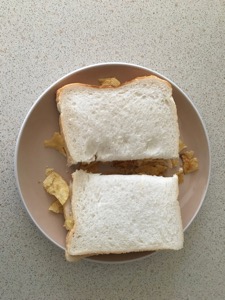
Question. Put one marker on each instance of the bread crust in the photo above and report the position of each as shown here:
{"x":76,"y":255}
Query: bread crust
{"x":77,"y":84}
{"x":68,"y":156}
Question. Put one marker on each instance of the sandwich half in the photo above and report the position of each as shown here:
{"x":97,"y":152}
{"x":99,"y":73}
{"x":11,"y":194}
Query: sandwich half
{"x":137,"y":120}
{"x":123,"y":213}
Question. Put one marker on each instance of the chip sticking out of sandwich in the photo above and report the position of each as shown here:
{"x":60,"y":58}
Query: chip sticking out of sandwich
{"x":134,"y":121}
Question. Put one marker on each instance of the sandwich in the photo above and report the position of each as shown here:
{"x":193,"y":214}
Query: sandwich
{"x":119,"y":213}
{"x":134,"y":121}
{"x":123,"y":213}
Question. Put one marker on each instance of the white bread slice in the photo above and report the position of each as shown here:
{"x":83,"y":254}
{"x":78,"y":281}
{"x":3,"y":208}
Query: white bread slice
{"x":123,"y":213}
{"x":137,"y":120}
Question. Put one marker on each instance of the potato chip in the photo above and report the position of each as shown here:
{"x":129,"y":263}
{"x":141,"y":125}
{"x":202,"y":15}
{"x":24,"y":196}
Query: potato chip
{"x":56,"y":142}
{"x":69,"y":223}
{"x":190,"y":162}
{"x":68,"y":215}
{"x":157,"y":169}
{"x":56,"y":207}
{"x":180,"y":175}
{"x":175,"y":162}
{"x":55,"y":185}
{"x":48,"y":171}
{"x":92,"y":167}
{"x":113,"y":82}
{"x":147,"y":166}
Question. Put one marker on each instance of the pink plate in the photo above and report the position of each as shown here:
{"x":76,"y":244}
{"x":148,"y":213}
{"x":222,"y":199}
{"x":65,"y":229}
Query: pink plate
{"x":32,"y":158}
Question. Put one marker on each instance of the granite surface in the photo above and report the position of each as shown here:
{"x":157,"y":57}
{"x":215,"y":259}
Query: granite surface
{"x":40,"y":41}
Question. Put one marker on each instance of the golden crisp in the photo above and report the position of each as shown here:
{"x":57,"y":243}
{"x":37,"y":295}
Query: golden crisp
{"x":68,"y":215}
{"x":190,"y":162}
{"x":56,"y":142}
{"x":150,"y":167}
{"x":147,"y":166}
{"x":113,"y":82}
{"x":175,"y":162}
{"x":180,"y":175}
{"x":182,"y":146}
{"x":69,"y":223}
{"x":93,"y":167}
{"x":48,"y":171}
{"x":56,"y":207}
{"x":55,"y":185}
{"x":157,"y":170}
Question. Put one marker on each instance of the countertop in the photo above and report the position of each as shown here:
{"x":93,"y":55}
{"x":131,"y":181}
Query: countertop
{"x":40,"y":41}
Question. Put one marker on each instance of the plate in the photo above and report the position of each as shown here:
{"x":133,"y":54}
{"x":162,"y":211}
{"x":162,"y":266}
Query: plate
{"x":32,"y":158}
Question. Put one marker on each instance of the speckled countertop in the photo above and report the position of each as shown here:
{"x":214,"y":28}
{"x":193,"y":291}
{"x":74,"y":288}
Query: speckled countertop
{"x":40,"y":42}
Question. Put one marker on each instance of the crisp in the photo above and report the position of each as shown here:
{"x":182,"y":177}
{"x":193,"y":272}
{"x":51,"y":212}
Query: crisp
{"x":56,"y":142}
{"x":55,"y":185}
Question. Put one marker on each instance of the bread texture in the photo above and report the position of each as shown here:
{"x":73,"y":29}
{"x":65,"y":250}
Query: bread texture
{"x":137,"y":120}
{"x":123,"y":213}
